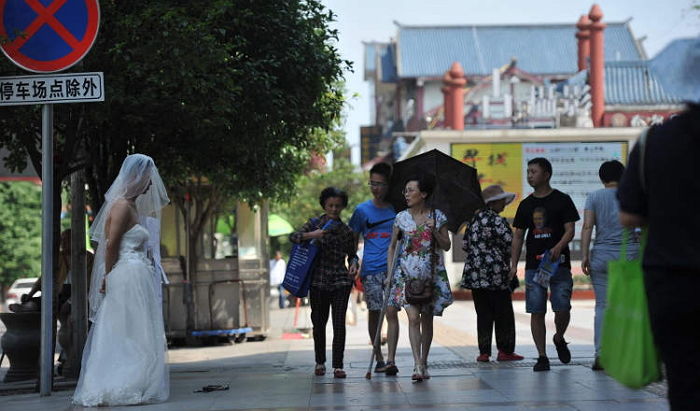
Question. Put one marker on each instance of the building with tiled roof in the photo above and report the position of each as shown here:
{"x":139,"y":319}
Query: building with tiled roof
{"x":516,"y":76}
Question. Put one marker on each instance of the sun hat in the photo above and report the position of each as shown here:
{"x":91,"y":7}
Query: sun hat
{"x":677,"y":69}
{"x":495,"y":193}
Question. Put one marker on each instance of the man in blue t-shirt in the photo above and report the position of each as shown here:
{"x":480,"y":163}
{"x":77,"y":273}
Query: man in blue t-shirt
{"x":373,"y":220}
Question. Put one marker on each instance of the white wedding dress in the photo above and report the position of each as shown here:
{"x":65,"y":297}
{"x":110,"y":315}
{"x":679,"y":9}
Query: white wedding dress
{"x":124,"y":361}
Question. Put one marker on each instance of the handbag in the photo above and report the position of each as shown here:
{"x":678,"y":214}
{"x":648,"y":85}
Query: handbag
{"x":419,"y":290}
{"x":297,"y":278}
{"x":628,"y":351}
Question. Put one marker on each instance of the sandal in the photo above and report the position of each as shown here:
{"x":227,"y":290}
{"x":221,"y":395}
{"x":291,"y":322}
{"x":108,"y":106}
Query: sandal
{"x":320,"y":370}
{"x":417,"y":375}
{"x":339,"y":373}
{"x":391,"y":369}
{"x":426,"y":375}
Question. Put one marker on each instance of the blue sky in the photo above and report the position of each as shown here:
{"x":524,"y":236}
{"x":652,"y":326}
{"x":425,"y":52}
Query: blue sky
{"x":366,"y":20}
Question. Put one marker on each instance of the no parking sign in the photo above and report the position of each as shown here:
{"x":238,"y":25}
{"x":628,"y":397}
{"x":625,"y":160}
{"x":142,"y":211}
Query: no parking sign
{"x":46,"y":36}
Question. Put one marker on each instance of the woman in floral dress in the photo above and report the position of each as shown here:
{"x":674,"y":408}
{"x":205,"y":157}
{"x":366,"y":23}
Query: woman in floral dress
{"x":487,"y":273}
{"x":419,"y":227}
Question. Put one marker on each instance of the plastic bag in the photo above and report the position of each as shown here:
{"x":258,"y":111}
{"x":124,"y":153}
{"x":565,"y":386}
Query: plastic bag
{"x":628,"y":352}
{"x":546,"y":269}
{"x":297,"y":278}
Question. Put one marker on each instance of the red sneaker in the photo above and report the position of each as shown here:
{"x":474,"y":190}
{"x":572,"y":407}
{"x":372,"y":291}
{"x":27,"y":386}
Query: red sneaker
{"x":508,"y":357}
{"x":483,"y":358}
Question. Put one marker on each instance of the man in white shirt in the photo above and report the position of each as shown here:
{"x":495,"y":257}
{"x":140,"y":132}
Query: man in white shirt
{"x":278,"y":267}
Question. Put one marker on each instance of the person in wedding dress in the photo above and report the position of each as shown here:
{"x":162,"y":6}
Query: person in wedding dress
{"x":124,"y":361}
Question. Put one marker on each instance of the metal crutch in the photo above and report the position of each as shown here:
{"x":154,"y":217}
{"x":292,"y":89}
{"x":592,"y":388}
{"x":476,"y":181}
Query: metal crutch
{"x":376,"y":345}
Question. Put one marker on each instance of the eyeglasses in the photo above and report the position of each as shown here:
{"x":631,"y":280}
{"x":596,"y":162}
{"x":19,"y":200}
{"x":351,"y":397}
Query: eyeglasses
{"x":376,"y":184}
{"x":408,"y":191}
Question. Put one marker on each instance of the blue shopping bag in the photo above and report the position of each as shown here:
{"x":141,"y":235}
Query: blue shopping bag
{"x":297,"y":278}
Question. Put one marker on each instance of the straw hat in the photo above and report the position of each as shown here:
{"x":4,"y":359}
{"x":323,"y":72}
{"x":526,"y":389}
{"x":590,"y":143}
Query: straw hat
{"x":495,"y":193}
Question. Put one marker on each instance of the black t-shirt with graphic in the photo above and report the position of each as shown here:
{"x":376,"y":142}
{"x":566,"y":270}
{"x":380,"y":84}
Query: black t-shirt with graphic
{"x":544,"y":220}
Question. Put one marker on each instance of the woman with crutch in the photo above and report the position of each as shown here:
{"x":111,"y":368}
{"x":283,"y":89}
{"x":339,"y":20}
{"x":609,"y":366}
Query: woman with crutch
{"x":420,"y":283}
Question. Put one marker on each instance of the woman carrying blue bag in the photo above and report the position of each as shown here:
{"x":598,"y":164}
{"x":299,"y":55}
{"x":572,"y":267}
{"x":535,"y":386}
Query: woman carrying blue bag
{"x":331,"y":280}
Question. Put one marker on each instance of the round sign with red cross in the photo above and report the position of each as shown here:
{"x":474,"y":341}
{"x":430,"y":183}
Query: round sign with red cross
{"x":46,"y":36}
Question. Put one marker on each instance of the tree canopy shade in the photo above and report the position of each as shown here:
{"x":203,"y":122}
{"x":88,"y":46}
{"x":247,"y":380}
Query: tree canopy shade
{"x":230,"y":98}
{"x":304,"y":204}
{"x":236,"y":92}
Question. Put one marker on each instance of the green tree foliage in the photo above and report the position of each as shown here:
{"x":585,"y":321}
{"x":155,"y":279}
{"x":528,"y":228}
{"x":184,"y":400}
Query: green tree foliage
{"x":304,"y":203}
{"x":20,"y":231}
{"x":229,"y":97}
{"x":234,"y":91}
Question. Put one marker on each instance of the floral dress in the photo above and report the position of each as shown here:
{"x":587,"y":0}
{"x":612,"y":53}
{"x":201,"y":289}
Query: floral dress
{"x":414,"y":262}
{"x":487,"y":245}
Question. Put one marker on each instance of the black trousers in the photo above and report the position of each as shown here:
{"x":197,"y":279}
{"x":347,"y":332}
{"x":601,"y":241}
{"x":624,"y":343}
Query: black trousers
{"x":322,"y":301}
{"x":494,"y":306}
{"x":674,"y":310}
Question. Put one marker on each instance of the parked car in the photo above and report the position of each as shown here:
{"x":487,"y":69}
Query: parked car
{"x":19,"y":287}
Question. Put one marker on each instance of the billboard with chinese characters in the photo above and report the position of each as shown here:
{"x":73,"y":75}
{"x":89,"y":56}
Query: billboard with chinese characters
{"x":575,"y":166}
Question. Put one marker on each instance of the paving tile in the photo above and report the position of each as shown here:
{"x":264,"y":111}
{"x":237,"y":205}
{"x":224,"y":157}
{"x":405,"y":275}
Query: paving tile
{"x":261,"y":400}
{"x":370,"y":387}
{"x":346,"y":400}
{"x":447,"y":385}
{"x":658,"y":404}
{"x":278,"y":375}
{"x":455,"y":397}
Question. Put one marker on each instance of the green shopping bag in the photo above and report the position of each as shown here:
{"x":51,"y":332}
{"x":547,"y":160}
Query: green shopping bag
{"x":628,"y":352}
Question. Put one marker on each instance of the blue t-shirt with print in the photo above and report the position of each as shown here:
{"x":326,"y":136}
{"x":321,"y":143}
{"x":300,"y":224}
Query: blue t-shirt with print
{"x":374,"y":224}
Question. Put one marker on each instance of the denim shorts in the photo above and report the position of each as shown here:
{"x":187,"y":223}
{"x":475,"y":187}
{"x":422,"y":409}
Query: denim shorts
{"x":373,"y":285}
{"x":561,"y":284}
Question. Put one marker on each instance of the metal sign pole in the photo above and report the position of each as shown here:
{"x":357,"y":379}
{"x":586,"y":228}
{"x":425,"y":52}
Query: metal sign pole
{"x":45,"y":380}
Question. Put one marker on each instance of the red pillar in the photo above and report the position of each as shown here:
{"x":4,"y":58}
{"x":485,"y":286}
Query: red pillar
{"x":583,"y":37}
{"x":446,"y":101}
{"x":597,"y":72}
{"x":454,"y":82}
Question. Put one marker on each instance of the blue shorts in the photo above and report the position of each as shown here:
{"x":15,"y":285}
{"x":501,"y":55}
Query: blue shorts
{"x":561,"y":284}
{"x":373,"y":285}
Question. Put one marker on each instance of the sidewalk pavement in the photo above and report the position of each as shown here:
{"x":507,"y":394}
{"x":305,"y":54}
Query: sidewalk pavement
{"x":277,"y":373}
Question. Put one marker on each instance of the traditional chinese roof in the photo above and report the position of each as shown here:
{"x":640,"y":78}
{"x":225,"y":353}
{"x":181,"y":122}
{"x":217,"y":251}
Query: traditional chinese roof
{"x":678,"y":68}
{"x":631,"y":83}
{"x":634,"y":83}
{"x":541,"y":49}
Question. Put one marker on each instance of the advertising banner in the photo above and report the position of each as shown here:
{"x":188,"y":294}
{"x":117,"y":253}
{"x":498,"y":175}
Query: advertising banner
{"x":575,"y":166}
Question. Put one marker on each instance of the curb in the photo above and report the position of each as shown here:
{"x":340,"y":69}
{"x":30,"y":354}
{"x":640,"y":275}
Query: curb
{"x":519,"y":294}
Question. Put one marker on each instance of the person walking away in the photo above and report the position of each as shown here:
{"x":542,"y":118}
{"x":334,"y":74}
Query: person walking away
{"x":661,"y":190}
{"x":548,"y":217}
{"x":373,"y":220}
{"x":278,"y":267}
{"x":331,"y":279}
{"x":422,"y":231}
{"x":487,"y":244}
{"x":601,"y":212}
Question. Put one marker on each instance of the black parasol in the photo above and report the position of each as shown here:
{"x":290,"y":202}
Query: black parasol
{"x":457,"y":190}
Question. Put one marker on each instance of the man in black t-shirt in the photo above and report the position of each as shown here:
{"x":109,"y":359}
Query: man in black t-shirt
{"x":548,"y":217}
